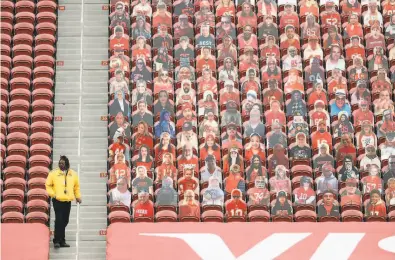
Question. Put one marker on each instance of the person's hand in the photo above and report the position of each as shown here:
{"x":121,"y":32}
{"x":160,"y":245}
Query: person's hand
{"x":78,"y":201}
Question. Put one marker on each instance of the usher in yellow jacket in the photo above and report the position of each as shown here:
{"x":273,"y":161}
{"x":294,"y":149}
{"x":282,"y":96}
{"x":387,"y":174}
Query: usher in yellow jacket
{"x":55,"y":185}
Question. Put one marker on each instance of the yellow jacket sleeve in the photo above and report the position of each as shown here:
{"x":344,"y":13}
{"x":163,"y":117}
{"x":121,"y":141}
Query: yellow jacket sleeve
{"x":49,"y":185}
{"x":77,"y":192}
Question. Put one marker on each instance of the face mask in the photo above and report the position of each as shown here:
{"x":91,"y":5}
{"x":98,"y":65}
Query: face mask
{"x":62,"y":167}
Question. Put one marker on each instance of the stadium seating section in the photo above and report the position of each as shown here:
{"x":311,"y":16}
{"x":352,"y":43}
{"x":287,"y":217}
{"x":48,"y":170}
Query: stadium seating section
{"x":251,"y":111}
{"x":219,"y":111}
{"x":28,"y":36}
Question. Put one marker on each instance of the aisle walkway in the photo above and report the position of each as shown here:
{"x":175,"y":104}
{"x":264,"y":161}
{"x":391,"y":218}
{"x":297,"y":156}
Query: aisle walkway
{"x":80,"y":100}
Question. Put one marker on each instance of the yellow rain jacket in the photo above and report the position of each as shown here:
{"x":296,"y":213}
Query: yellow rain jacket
{"x":56,"y":185}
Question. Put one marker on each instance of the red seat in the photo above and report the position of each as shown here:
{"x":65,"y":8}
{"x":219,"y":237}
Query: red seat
{"x":40,"y":149}
{"x":3,"y":116}
{"x":282,"y":219}
{"x":36,"y":183}
{"x":4,"y":107}
{"x":14,"y":172}
{"x":391,"y":216}
{"x":38,"y":172}
{"x":22,"y":49}
{"x":40,"y":138}
{"x":19,"y":104}
{"x":42,"y":94}
{"x":24,"y":28}
{"x":46,"y":28}
{"x":18,"y":116}
{"x":143,"y":219}
{"x":120,"y":207}
{"x":42,"y":105}
{"x":37,"y":194}
{"x":4,"y":96}
{"x":11,"y":205}
{"x":21,"y":72}
{"x":16,"y":160}
{"x":2,"y":150}
{"x":259,"y":216}
{"x":17,"y":149}
{"x":46,"y":17}
{"x":25,"y":6}
{"x":7,"y":6}
{"x":3,"y":126}
{"x":41,"y":127}
{"x":352,"y":216}
{"x":5,"y":50}
{"x":18,"y":126}
{"x":301,"y":170}
{"x":6,"y":61}
{"x":15,"y":183}
{"x":19,"y":83}
{"x":189,"y":219}
{"x":37,"y":217}
{"x":328,"y":219}
{"x":46,"y":6}
{"x":13,"y":194}
{"x":4,"y":86}
{"x":44,"y":49}
{"x":43,"y":83}
{"x":39,"y":160}
{"x":7,"y":17}
{"x":5,"y":38}
{"x":43,"y":72}
{"x":16,"y":138}
{"x":2,"y":141}
{"x":166,"y":216}
{"x":231,"y":219}
{"x":44,"y":60}
{"x":6,"y":28}
{"x":25,"y":17}
{"x":21,"y":94}
{"x":212,"y":216}
{"x":23,"y":39}
{"x":41,"y":115}
{"x":119,"y":217}
{"x":13,"y":217}
{"x":45,"y":39}
{"x":22,"y":60}
{"x":305,"y":216}
{"x":375,"y":219}
{"x":37,"y":206}
{"x":5,"y":74}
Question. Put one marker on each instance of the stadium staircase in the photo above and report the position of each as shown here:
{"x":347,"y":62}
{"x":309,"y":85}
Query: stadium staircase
{"x":81,"y":98}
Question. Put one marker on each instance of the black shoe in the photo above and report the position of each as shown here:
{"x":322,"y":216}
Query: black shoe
{"x":64,"y":244}
{"x":56,"y":245}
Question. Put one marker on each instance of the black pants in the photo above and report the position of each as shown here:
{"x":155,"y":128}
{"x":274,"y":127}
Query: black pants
{"x":62,"y":214}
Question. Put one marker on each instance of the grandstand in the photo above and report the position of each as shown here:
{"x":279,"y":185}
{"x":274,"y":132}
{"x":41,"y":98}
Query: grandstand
{"x":199,"y":111}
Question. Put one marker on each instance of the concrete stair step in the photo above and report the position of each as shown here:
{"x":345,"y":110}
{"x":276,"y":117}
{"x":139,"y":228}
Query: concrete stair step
{"x":95,"y":167}
{"x":95,"y":75}
{"x":69,"y":43}
{"x":92,"y":99}
{"x":66,"y":52}
{"x":94,"y":87}
{"x":66,"y":132}
{"x":67,"y":77}
{"x":97,"y":99}
{"x":100,"y":31}
{"x":93,"y":133}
